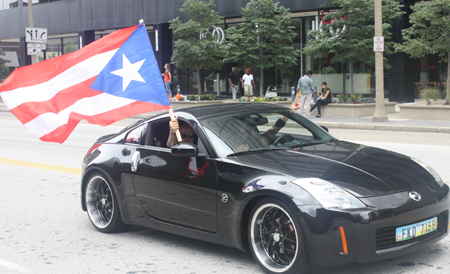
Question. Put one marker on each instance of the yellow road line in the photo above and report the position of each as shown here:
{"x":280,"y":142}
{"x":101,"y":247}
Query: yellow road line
{"x":36,"y":165}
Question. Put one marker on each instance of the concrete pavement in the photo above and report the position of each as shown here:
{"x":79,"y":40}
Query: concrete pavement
{"x":394,"y":123}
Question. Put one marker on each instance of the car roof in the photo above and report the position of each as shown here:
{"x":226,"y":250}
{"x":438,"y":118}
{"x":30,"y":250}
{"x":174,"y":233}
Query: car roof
{"x":219,"y":109}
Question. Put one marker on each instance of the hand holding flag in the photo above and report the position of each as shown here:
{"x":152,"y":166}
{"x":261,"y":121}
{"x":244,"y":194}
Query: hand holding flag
{"x":108,"y":80}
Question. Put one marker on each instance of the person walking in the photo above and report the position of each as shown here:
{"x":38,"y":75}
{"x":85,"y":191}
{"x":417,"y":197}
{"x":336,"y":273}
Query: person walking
{"x":324,"y":99}
{"x":307,"y":87}
{"x":248,"y":84}
{"x":167,"y":80}
{"x":234,"y":79}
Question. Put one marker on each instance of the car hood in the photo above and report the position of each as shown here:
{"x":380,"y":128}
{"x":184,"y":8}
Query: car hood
{"x":362,"y":170}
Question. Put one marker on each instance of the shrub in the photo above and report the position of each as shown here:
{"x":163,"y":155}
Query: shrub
{"x":356,"y":98}
{"x":430,"y":94}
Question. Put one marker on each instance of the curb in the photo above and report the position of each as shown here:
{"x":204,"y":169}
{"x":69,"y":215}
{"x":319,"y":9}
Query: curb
{"x":343,"y":125}
{"x":385,"y":127}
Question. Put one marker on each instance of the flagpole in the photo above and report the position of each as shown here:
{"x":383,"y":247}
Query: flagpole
{"x":172,"y":117}
{"x":177,"y":132}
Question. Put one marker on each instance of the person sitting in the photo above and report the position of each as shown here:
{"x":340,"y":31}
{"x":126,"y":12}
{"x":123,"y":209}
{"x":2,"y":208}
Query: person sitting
{"x":186,"y":131}
{"x":324,"y":99}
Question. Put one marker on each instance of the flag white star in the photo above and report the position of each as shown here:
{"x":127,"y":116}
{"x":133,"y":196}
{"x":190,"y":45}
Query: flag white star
{"x":129,"y":72}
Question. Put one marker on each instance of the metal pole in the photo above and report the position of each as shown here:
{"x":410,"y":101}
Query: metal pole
{"x":31,"y":25}
{"x":380,"y":114}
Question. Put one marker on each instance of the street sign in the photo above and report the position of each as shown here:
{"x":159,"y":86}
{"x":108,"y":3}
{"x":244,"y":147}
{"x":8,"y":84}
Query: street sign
{"x":35,"y":49}
{"x":36,"y":35}
{"x":378,"y":43}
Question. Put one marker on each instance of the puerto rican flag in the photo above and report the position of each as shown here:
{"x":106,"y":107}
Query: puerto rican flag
{"x":108,"y":80}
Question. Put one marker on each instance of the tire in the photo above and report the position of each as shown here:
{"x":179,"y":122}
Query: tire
{"x":101,"y":204}
{"x":276,"y":239}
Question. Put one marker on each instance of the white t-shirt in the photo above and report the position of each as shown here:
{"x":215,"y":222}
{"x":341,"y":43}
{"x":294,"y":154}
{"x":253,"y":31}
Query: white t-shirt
{"x":247,"y":79}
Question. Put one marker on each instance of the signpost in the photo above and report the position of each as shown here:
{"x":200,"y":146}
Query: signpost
{"x":36,"y":39}
{"x":378,"y":47}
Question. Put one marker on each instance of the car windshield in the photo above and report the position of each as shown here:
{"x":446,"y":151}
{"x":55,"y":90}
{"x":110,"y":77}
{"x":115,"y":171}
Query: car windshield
{"x":256,"y":131}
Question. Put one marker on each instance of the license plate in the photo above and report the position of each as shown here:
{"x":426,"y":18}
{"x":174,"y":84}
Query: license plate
{"x":415,"y":230}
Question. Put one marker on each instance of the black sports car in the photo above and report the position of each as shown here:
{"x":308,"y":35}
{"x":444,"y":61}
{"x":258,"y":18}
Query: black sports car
{"x":261,"y":177}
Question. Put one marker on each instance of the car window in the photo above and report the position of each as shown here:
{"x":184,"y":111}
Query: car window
{"x":159,"y":133}
{"x":134,"y":136}
{"x":249,"y":131}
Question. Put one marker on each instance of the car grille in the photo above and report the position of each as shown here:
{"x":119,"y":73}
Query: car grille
{"x":386,"y":236}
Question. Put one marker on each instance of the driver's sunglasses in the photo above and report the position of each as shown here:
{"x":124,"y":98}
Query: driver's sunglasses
{"x":189,"y":135}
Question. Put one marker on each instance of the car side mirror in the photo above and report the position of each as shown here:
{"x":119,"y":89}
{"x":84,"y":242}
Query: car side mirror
{"x":184,"y":150}
{"x":324,"y":128}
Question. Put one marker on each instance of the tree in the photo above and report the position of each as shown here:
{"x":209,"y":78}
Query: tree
{"x":4,"y":71}
{"x":348,"y":33}
{"x":429,"y":33}
{"x":264,"y":39}
{"x":195,"y":47}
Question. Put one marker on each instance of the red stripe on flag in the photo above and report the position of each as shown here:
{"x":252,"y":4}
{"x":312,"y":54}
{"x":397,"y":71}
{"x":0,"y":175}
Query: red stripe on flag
{"x":45,"y":70}
{"x":60,"y":134}
{"x":63,"y":99}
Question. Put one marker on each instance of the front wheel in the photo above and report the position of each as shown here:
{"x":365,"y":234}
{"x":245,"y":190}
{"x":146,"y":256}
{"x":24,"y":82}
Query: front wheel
{"x":101,"y":204}
{"x":276,"y":240}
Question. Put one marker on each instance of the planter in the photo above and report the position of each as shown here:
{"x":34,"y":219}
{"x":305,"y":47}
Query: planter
{"x":424,"y":112}
{"x":189,"y":104}
{"x":352,"y":110}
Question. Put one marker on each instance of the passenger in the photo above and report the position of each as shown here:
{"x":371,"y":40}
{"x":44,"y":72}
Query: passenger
{"x":324,"y":99}
{"x":186,"y":131}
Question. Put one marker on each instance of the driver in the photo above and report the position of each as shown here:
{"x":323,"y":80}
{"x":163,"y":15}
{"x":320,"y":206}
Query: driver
{"x":243,"y":130}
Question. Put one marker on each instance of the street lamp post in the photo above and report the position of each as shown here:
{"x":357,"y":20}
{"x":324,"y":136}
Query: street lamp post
{"x":379,"y":115}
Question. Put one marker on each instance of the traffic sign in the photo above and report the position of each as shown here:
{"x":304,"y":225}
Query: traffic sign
{"x":35,"y":49}
{"x":36,"y":35}
{"x":378,"y":43}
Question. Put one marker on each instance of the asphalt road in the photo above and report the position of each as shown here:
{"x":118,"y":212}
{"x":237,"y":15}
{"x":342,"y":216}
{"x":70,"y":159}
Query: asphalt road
{"x":43,"y":229}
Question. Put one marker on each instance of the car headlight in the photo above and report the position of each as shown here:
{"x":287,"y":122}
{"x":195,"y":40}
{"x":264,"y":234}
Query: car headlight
{"x":431,"y":171}
{"x":329,"y":195}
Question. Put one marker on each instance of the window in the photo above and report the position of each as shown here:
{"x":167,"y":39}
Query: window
{"x":135,"y":136}
{"x":247,"y":131}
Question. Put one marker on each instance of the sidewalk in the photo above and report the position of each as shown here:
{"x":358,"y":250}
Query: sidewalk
{"x":394,"y":123}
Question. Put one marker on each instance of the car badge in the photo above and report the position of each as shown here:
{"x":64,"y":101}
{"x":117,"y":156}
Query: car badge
{"x":415,"y":196}
{"x":224,"y":197}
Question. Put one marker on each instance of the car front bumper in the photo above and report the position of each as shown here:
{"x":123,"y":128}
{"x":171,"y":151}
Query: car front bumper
{"x":370,"y":233}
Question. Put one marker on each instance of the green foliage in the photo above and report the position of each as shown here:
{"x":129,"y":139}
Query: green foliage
{"x":430,"y":30}
{"x":202,"y":97}
{"x":261,"y":99}
{"x":194,"y":46}
{"x":356,"y":98}
{"x":189,"y":50}
{"x":429,"y":33}
{"x":264,"y":39}
{"x":430,"y":94}
{"x":4,"y":70}
{"x":354,"y":24}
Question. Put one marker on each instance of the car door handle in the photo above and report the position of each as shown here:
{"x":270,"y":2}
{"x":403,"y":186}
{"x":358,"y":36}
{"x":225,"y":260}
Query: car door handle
{"x":135,"y":160}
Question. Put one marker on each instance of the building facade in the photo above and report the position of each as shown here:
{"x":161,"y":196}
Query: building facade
{"x":72,"y":24}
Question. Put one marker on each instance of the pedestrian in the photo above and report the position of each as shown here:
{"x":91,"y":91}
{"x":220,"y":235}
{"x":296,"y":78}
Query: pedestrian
{"x":306,"y":87}
{"x":167,"y":80}
{"x":234,"y":79}
{"x":248,"y":84}
{"x":324,"y":99}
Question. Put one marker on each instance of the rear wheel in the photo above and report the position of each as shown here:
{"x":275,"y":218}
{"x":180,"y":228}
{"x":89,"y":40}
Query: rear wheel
{"x":276,"y":240}
{"x":101,"y":204}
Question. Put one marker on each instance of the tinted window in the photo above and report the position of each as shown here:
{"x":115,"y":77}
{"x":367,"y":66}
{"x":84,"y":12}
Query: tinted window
{"x":252,"y":130}
{"x":134,"y":136}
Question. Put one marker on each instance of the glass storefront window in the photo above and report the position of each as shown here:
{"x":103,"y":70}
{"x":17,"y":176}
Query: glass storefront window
{"x":70,"y":44}
{"x":430,"y":73}
{"x":54,"y":48}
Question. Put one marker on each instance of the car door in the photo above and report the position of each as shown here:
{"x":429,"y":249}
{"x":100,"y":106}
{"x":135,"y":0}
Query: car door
{"x":177,"y":190}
